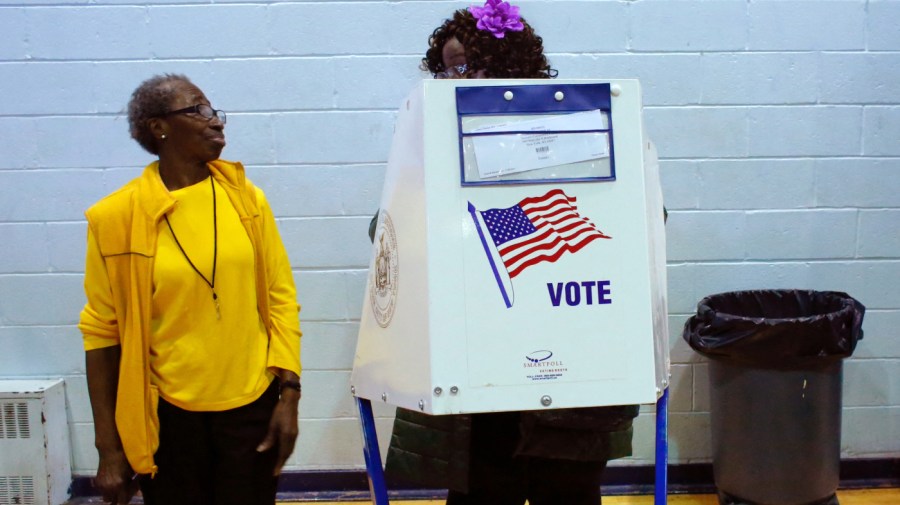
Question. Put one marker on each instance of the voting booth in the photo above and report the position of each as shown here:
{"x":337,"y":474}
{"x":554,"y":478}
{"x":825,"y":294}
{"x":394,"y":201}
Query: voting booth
{"x":519,"y":256}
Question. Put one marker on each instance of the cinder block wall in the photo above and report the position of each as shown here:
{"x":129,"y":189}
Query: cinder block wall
{"x":778,"y":124}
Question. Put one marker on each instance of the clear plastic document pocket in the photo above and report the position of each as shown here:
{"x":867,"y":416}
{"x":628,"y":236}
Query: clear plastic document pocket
{"x":534,"y":134}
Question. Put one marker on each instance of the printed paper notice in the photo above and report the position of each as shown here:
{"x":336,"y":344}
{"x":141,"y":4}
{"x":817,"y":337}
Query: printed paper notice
{"x":501,"y":154}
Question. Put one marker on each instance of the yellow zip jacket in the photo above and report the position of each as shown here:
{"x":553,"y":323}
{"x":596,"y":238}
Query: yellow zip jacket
{"x":119,"y":280}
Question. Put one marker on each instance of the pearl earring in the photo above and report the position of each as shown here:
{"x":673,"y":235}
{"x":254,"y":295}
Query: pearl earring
{"x":163,"y":136}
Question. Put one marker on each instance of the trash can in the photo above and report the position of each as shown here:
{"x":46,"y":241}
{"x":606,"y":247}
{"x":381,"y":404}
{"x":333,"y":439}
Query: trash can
{"x":775,"y":374}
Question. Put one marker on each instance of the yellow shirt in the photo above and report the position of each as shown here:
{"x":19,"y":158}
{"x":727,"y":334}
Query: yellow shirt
{"x":202,"y":359}
{"x":118,"y":282}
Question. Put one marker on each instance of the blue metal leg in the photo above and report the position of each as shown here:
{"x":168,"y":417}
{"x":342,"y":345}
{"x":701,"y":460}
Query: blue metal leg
{"x":662,"y":449}
{"x":377,"y":487}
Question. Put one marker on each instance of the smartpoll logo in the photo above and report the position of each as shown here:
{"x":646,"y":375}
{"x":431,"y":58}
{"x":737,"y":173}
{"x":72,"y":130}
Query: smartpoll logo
{"x":539,"y":367}
{"x":538,"y":356}
{"x":541,"y":359}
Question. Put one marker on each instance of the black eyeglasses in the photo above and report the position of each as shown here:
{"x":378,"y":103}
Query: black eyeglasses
{"x":203,"y":110}
{"x":454,"y":72}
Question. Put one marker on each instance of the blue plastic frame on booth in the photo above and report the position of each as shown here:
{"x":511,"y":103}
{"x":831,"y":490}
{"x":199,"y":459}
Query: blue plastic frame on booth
{"x":533,"y":100}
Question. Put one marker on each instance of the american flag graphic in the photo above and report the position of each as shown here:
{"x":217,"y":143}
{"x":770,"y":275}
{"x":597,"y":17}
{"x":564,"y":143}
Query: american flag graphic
{"x":539,"y":229}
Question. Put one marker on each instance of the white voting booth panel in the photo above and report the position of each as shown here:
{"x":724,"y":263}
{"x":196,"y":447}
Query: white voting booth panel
{"x":519,"y":256}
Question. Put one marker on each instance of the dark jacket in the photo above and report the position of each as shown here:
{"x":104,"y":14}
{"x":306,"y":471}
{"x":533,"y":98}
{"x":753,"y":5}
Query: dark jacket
{"x":434,"y":451}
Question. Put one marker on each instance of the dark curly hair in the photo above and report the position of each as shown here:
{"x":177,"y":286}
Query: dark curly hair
{"x":518,"y":55}
{"x":152,"y":98}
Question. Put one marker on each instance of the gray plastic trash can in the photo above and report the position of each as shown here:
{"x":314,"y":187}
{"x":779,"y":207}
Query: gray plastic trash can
{"x":775,"y":376}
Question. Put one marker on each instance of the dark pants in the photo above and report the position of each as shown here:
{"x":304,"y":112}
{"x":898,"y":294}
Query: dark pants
{"x":210,"y":458}
{"x":498,"y":477}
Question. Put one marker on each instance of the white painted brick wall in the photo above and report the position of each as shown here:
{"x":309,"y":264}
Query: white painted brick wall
{"x":883,"y":32}
{"x":687,"y":26}
{"x":778,"y":124}
{"x":799,"y":26}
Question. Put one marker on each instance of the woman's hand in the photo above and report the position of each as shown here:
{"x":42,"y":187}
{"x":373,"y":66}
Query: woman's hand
{"x":115,"y":479}
{"x":282,"y":427}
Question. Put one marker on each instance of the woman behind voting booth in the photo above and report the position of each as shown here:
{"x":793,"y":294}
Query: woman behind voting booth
{"x":547,"y":457}
{"x":191,"y":324}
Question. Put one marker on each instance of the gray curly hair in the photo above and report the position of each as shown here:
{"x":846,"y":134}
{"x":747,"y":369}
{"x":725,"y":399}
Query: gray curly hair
{"x":150,"y":99}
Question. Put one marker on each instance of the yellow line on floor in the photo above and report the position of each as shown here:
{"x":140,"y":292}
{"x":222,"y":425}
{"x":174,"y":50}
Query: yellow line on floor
{"x":849,"y":497}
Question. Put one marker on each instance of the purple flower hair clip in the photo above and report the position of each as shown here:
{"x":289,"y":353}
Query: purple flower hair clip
{"x":497,"y":17}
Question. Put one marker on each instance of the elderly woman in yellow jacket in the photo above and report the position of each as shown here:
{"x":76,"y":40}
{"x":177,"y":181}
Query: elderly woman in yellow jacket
{"x":191,"y":326}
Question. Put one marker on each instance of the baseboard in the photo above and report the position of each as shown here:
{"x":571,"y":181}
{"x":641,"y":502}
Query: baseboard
{"x":350,"y":485}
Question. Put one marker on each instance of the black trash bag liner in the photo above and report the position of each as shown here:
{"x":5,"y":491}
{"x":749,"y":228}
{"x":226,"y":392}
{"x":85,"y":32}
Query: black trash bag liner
{"x":781,"y":328}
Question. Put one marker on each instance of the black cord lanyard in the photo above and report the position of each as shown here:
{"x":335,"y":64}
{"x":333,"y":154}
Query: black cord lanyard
{"x":212,"y":285}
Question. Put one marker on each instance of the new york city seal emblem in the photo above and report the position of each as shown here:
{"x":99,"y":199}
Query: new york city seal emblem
{"x":385,"y":273}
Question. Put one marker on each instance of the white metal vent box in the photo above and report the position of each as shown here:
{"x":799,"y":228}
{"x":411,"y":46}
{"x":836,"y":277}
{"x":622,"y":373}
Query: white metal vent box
{"x":35,"y":466}
{"x":519,"y":255}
